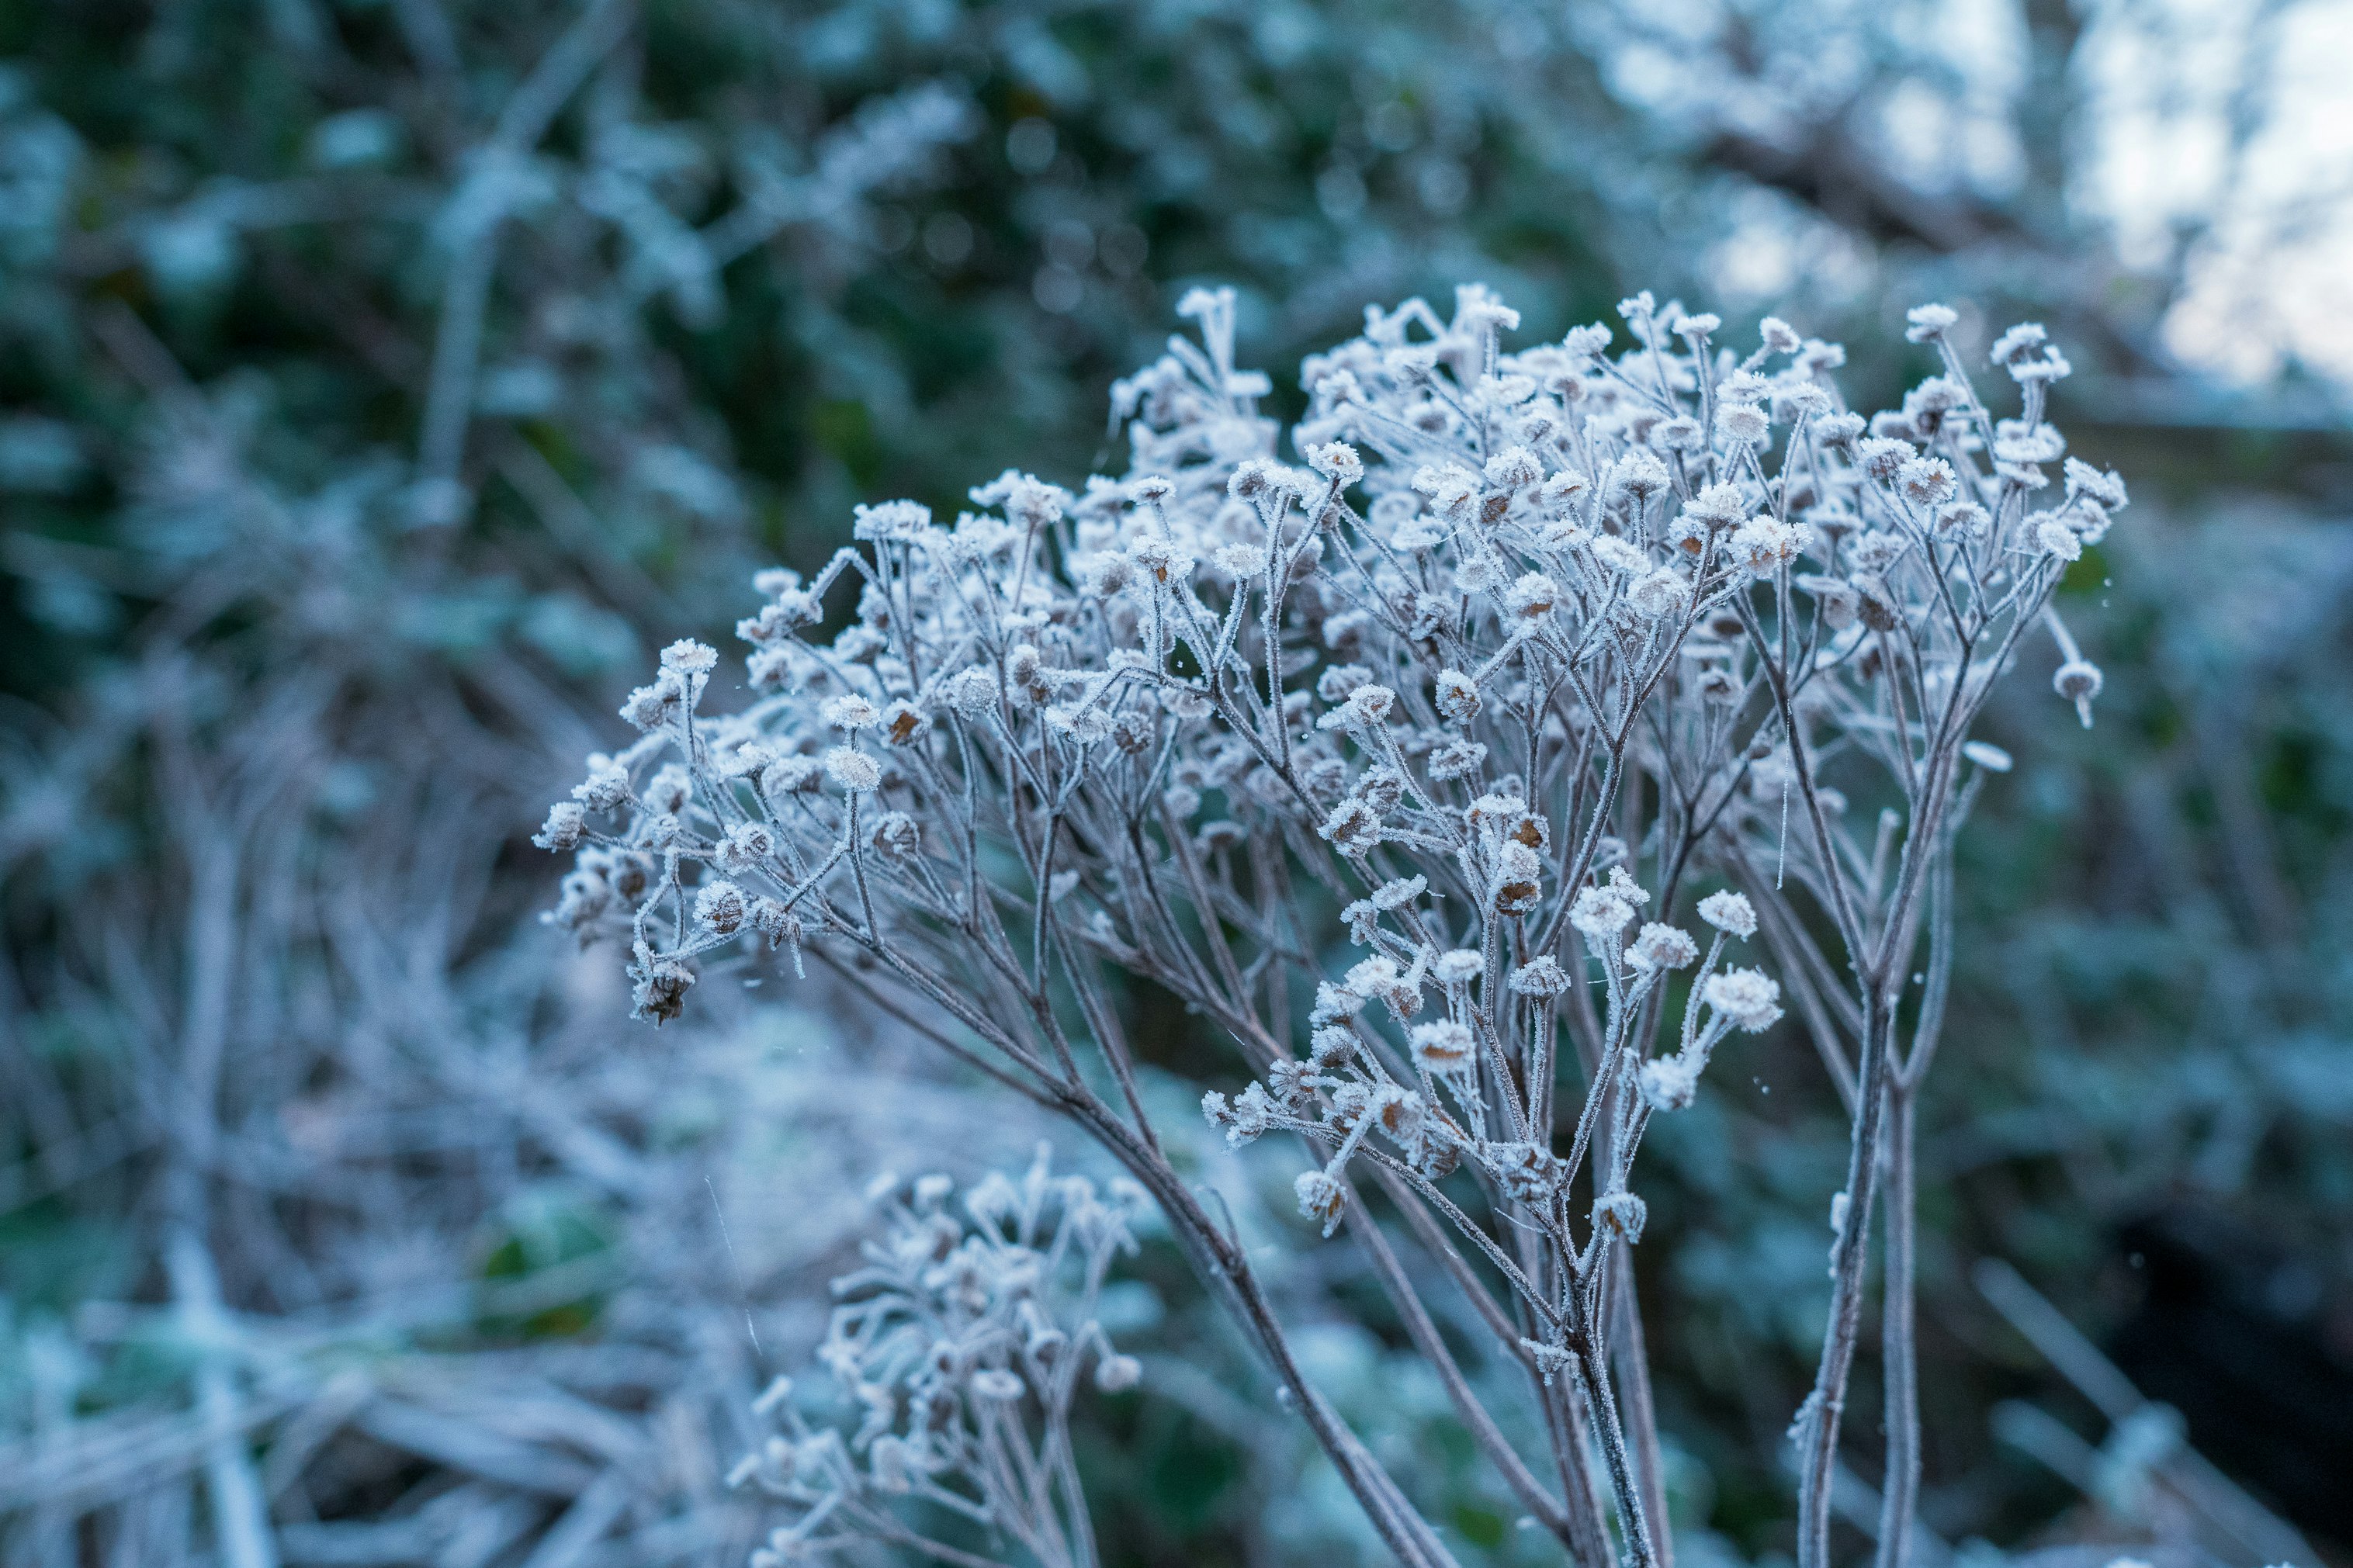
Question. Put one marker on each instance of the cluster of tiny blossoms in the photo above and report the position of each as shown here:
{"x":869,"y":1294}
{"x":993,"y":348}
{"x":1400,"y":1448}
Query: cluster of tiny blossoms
{"x":1345,"y":1091}
{"x":1524,"y":648}
{"x":961,"y":1345}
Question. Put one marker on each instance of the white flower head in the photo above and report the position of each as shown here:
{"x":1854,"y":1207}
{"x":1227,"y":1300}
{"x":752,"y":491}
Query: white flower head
{"x":1532,"y":596}
{"x":1540,"y":978}
{"x":1456,"y":696}
{"x":659,"y":705}
{"x":1927,"y":481}
{"x":1027,"y":499}
{"x":1717,"y":506}
{"x":1334,"y":1004}
{"x":1478,"y":311}
{"x":1750,"y":998}
{"x":1658,"y":594}
{"x":1765,"y":544}
{"x":1321,"y":1198}
{"x":1559,"y":492}
{"x":1164,"y":562}
{"x":661,"y":984}
{"x":1441,"y":1048}
{"x":1519,"y":878}
{"x":689,"y":657}
{"x":1514,"y":469}
{"x":1457,"y":966}
{"x":2105,"y":488}
{"x":607,"y":786}
{"x":747,"y":847}
{"x":1353,"y":827}
{"x":1255,"y":479}
{"x":1622,"y":1214}
{"x":1367,"y":706}
{"x":1929,"y":322}
{"x":1619,"y":556}
{"x":850,"y":712}
{"x":1883,"y":456}
{"x":788,"y":776}
{"x":1670,"y":1083}
{"x":853,"y":770}
{"x":893,"y":520}
{"x":1638,"y":475}
{"x":1452,"y":492}
{"x":1839,"y":431}
{"x":1584,"y":345}
{"x":1087,"y":723}
{"x":1662,"y":946}
{"x":1743,"y":425}
{"x":2020,"y":342}
{"x":1600,"y":914}
{"x":719,"y":908}
{"x":565,"y":827}
{"x":669,"y":789}
{"x":1803,"y":400}
{"x":1454,"y":759}
{"x":1337,"y":461}
{"x":2058,"y":540}
{"x":1729,"y":912}
{"x":970,"y":692}
{"x":1962,"y":519}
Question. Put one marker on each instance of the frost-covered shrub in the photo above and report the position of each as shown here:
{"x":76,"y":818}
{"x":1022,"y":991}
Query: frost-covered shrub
{"x":962,"y":1344}
{"x":1532,"y":646}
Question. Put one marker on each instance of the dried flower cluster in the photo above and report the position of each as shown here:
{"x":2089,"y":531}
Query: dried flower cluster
{"x":962,"y":1345}
{"x":1529,"y":648}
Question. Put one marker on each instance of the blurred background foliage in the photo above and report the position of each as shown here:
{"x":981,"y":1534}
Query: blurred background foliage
{"x":381,"y":380}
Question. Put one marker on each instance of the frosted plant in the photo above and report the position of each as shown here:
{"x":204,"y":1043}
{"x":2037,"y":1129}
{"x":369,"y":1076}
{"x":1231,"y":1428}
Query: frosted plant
{"x":1528,"y":650}
{"x":962,"y":1344}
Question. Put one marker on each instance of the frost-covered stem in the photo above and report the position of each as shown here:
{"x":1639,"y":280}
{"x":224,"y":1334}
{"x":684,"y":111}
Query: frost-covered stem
{"x":1633,"y":1357}
{"x":1799,"y":958}
{"x":1546,"y":1509}
{"x":1102,"y":1023}
{"x":891,"y":1529}
{"x":1777,"y":676}
{"x":1594,"y":1377}
{"x":1817,"y":1428}
{"x":1881,"y":972}
{"x":1081,"y":1529}
{"x":1572,"y":1443}
{"x":1900,"y":1491}
{"x":1220,"y":1260}
{"x":1898,"y":1335}
{"x":1434,"y":1240}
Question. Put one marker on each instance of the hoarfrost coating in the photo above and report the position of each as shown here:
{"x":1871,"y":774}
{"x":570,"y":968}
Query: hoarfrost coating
{"x":1537,"y":647}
